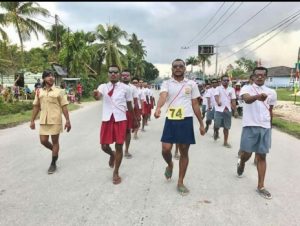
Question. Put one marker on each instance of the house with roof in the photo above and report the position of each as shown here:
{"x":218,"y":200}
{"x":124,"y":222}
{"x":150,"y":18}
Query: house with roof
{"x":280,"y":77}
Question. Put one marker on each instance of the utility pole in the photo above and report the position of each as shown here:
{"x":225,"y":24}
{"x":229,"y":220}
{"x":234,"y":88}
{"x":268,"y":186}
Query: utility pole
{"x":216,"y":69}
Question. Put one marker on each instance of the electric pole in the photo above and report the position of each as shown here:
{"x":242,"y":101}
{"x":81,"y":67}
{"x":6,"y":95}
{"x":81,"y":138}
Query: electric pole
{"x":216,"y":69}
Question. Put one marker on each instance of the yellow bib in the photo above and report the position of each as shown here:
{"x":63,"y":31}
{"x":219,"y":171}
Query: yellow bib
{"x":175,"y":113}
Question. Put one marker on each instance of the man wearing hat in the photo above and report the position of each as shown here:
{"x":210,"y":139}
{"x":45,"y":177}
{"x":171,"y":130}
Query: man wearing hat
{"x":51,"y":102}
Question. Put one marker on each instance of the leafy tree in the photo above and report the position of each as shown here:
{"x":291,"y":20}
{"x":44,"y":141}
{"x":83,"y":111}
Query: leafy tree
{"x":54,"y":37}
{"x":2,"y":32}
{"x":110,"y":44}
{"x":204,"y":59}
{"x":151,"y":72}
{"x":19,"y":15}
{"x":193,"y":61}
{"x":76,"y":54}
{"x":36,"y":60}
{"x":246,"y":65}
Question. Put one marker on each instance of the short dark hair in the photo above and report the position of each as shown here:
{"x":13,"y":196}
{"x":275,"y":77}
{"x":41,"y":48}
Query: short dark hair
{"x":223,"y":76}
{"x":126,"y":70}
{"x":260,"y":68}
{"x":47,"y":73}
{"x":178,"y":60}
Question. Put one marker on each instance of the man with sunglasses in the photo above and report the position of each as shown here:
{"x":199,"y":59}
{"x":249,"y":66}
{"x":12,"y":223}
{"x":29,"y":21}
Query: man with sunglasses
{"x":225,"y":103}
{"x":257,"y":124}
{"x":181,"y":96}
{"x":117,"y":98}
{"x":132,"y":122}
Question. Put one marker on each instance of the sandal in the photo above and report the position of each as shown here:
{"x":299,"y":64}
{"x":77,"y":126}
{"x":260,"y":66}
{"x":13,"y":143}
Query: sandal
{"x":182,"y":189}
{"x":227,"y":145}
{"x":264,"y":193}
{"x":168,"y":173}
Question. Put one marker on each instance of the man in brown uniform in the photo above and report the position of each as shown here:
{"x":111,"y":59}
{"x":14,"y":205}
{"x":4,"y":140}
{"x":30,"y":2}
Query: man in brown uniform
{"x":51,"y":102}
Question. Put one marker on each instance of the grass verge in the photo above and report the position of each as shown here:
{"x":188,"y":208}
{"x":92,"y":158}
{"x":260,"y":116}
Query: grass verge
{"x":11,"y":120}
{"x":286,"y":126}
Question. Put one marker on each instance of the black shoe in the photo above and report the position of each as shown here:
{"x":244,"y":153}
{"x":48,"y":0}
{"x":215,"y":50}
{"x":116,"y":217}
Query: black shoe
{"x":52,"y":169}
{"x":240,"y":169}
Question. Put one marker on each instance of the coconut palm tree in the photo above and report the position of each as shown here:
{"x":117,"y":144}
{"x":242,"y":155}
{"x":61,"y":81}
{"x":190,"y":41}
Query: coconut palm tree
{"x":111,"y":44}
{"x":2,"y":32}
{"x":204,"y":59}
{"x":19,"y":15}
{"x":54,"y":37}
{"x":193,"y":61}
{"x":136,"y":54}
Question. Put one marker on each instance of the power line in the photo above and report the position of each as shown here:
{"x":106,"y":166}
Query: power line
{"x":193,"y":39}
{"x":244,"y":23}
{"x":295,"y":18}
{"x":273,"y":36}
{"x":225,"y":19}
{"x":205,"y":36}
{"x":272,"y":29}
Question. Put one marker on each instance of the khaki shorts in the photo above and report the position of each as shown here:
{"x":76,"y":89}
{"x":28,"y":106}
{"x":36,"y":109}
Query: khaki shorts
{"x":51,"y":129}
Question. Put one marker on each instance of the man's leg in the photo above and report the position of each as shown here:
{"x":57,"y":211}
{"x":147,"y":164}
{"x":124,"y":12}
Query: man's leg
{"x":226,"y":133}
{"x":261,"y":169}
{"x":183,"y":162}
{"x":127,"y":143}
{"x":44,"y":139}
{"x":55,"y":150}
{"x":119,"y":156}
{"x":176,"y":156}
{"x":244,"y":157}
{"x":167,"y":155}
{"x":106,"y":148}
{"x":208,"y":122}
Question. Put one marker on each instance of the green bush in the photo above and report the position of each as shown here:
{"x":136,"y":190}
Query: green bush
{"x":16,"y":107}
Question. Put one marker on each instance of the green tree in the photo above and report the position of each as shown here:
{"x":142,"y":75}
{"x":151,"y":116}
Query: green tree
{"x":3,"y":34}
{"x":76,"y":54}
{"x":204,"y":59}
{"x":151,"y":72}
{"x":110,"y":44}
{"x":136,"y":54}
{"x":36,"y":60}
{"x":246,"y":65}
{"x":19,"y":15}
{"x":10,"y":58}
{"x":193,"y":61}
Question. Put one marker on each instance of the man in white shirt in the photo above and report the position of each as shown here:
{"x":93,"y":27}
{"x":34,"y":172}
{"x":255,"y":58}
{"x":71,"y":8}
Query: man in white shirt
{"x":116,"y":99}
{"x":225,"y":103}
{"x":257,"y":120}
{"x":211,"y":102}
{"x":181,"y":95}
{"x":132,"y":122}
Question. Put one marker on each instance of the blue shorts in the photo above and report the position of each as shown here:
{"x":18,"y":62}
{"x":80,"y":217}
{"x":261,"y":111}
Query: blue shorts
{"x":222,"y":119}
{"x":255,"y":139}
{"x":178,"y":131}
{"x":210,"y":114}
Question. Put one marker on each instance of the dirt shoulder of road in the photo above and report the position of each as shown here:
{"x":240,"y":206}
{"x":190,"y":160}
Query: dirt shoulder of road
{"x":287,"y":110}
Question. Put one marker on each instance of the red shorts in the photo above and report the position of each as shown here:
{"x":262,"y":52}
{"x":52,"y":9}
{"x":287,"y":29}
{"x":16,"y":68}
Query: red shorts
{"x":112,"y":131}
{"x":129,"y":120}
{"x":146,"y":108}
{"x":138,"y":113}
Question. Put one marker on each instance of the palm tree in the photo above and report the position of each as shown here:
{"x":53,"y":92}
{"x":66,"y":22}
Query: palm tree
{"x":2,"y":32}
{"x":54,"y":37}
{"x":19,"y":15}
{"x":76,"y":54}
{"x":203,"y":59}
{"x":193,"y":61}
{"x":136,"y":53}
{"x":111,"y":45}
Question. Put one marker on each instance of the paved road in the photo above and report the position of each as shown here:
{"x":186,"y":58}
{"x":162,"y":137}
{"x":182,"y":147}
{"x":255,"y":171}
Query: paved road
{"x":82,"y":193}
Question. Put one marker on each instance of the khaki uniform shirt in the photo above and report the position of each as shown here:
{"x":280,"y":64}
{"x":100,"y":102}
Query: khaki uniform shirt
{"x":51,"y":103}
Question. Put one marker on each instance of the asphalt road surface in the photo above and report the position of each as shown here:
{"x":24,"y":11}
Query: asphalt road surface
{"x":81,"y":191}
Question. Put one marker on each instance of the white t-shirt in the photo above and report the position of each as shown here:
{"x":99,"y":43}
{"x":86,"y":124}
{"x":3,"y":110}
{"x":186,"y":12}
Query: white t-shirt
{"x":141,"y":97}
{"x":225,"y":95}
{"x":210,"y":94}
{"x":180,"y":94}
{"x":257,"y":113}
{"x":117,"y":103}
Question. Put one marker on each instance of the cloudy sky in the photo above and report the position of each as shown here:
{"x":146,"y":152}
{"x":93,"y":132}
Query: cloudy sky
{"x":175,"y":29}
